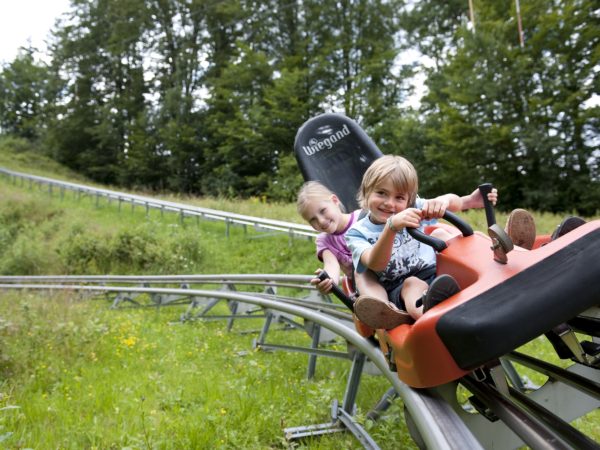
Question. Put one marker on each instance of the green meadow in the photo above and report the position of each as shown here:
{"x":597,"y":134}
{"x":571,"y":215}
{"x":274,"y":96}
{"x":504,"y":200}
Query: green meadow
{"x":75,"y":373}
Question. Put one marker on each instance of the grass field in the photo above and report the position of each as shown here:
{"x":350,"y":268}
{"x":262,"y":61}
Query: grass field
{"x":76,"y":374}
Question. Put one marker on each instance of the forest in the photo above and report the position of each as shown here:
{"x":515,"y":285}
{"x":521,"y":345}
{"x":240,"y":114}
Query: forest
{"x":204,"y":97}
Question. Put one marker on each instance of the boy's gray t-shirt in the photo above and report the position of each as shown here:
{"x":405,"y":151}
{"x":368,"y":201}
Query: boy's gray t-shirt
{"x":409,"y":256}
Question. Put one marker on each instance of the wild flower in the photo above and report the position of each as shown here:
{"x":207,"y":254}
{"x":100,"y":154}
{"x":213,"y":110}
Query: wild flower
{"x":129,"y":341}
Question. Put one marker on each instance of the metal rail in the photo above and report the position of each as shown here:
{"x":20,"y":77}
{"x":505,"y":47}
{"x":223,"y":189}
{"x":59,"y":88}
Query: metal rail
{"x":539,"y":416}
{"x":574,"y":380}
{"x":294,"y":230}
{"x":299,"y":281}
{"x":529,"y":427}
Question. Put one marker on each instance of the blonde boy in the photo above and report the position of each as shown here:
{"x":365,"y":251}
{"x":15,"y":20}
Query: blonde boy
{"x":379,"y":242}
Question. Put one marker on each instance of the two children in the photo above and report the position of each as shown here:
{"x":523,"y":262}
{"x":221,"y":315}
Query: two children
{"x":394,"y":273}
{"x":324,"y":211}
{"x":386,"y":263}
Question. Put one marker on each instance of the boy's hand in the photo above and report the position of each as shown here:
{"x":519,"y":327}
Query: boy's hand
{"x":492,"y":196}
{"x":410,"y":217}
{"x":434,"y":208}
{"x":474,"y":199}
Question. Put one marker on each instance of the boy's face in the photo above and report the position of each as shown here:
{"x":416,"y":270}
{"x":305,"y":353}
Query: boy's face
{"x":385,"y":201}
{"x":324,"y":216}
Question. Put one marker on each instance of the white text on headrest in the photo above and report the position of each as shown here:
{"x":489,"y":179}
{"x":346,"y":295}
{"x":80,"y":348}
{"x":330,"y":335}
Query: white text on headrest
{"x":315,"y":146}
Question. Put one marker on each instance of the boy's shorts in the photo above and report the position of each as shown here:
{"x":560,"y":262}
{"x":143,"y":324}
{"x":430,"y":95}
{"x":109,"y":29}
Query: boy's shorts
{"x":427,"y":274}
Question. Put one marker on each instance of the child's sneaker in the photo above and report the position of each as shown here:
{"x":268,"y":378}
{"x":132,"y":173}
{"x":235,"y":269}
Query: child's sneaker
{"x":568,"y":224}
{"x":443,"y":287}
{"x":520,"y":227}
{"x":378,"y":313}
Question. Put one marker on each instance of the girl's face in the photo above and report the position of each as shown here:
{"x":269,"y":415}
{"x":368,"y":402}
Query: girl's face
{"x":385,"y":201}
{"x":325,"y":216}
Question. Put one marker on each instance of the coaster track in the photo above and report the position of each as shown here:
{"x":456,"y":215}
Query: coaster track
{"x":510,"y":415}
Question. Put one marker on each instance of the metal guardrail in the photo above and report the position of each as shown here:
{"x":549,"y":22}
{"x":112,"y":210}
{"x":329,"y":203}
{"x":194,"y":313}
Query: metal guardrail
{"x":294,"y":230}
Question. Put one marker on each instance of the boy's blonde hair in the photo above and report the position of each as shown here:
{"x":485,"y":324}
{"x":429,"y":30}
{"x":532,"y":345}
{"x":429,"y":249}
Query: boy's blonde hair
{"x":313,"y":191}
{"x":398,"y":169}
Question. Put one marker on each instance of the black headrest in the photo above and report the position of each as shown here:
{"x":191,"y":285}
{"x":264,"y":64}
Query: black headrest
{"x":333,"y":149}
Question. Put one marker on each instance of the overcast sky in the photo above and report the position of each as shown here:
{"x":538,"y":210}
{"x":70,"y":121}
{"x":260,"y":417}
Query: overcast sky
{"x":22,"y":21}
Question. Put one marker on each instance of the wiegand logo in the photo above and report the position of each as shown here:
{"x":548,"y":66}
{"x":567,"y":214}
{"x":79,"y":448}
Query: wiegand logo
{"x":314,"y":145}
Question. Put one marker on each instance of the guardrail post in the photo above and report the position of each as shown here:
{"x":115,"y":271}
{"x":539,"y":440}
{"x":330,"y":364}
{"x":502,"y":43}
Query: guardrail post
{"x":312,"y":359}
{"x":354,"y":376}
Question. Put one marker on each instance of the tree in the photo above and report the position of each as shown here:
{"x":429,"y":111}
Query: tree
{"x":99,"y":55}
{"x":206,"y":97}
{"x":511,"y":115}
{"x":27,"y":90}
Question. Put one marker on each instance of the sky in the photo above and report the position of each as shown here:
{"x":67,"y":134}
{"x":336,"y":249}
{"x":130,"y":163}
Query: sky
{"x":22,"y":21}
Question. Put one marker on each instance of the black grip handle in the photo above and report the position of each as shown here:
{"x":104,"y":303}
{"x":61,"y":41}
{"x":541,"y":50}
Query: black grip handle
{"x":490,"y":216}
{"x":437,"y":244}
{"x":335,"y":289}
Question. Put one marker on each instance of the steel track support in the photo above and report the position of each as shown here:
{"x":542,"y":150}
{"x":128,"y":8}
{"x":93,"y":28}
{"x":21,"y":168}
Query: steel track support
{"x":513,"y":415}
{"x":342,"y":418}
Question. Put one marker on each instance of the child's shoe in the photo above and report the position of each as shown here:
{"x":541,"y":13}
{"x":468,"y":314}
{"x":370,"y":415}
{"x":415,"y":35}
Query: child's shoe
{"x":378,"y":313}
{"x":520,"y":227}
{"x":568,"y":224}
{"x":443,"y":287}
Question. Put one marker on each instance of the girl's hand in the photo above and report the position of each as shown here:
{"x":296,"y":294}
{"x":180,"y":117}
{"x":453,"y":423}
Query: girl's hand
{"x":323,"y":286}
